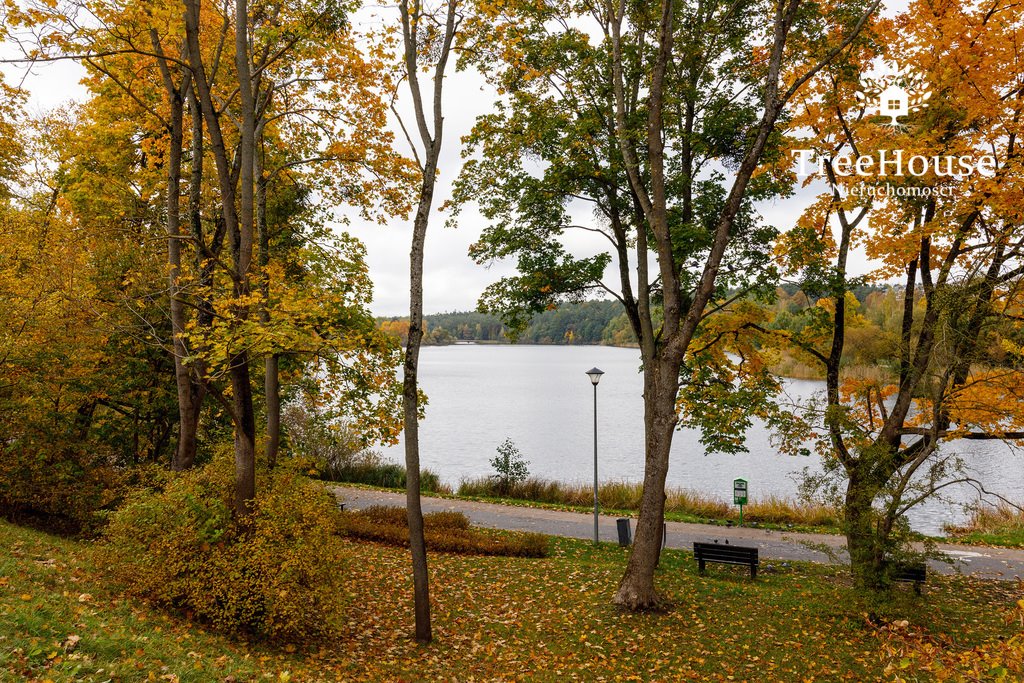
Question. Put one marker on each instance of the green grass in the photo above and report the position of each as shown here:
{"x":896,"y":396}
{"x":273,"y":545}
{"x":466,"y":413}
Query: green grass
{"x":380,"y":474}
{"x":60,"y":621}
{"x":494,"y":619}
{"x":1001,"y":525}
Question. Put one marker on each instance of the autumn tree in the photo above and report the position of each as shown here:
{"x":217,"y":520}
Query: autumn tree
{"x":316,"y":136}
{"x":428,"y":36}
{"x":952,"y":237}
{"x":83,"y":394}
{"x":125,"y":42}
{"x":283,"y":74}
{"x":658,"y":118}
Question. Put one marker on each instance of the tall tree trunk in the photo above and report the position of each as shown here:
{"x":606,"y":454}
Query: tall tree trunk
{"x":238,"y":224}
{"x":410,"y":406}
{"x":431,"y":139}
{"x":271,"y":375}
{"x":185,"y":454}
{"x":245,"y":428}
{"x":661,"y":386}
{"x":203,"y":266}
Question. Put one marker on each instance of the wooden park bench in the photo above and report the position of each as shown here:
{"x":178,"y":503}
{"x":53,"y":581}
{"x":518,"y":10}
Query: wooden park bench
{"x":914,"y":573}
{"x":725,"y":554}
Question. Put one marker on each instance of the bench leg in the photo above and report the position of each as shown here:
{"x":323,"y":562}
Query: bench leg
{"x":917,"y":587}
{"x":753,"y":572}
{"x":700,"y":566}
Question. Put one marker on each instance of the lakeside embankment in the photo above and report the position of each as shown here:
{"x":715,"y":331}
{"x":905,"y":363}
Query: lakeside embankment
{"x":787,"y":545}
{"x":1002,"y":527}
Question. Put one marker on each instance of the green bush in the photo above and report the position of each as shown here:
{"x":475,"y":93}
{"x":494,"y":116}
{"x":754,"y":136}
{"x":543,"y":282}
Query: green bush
{"x":376,"y":472}
{"x":510,"y":466}
{"x":58,"y":486}
{"x":443,"y":531}
{"x":332,"y":450}
{"x":278,"y":575}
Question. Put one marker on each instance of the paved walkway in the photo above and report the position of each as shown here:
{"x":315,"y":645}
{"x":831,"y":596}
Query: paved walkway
{"x":982,"y":561}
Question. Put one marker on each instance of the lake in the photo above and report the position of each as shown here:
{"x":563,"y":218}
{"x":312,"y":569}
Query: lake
{"x":541,"y":398}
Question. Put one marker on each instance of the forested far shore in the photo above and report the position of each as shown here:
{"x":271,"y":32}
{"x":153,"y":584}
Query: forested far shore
{"x":588,"y":322}
{"x":605,"y":323}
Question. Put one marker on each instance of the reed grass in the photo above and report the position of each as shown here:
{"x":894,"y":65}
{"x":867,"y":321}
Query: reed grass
{"x":625,"y":496}
{"x":380,"y":473}
{"x":1001,"y":525}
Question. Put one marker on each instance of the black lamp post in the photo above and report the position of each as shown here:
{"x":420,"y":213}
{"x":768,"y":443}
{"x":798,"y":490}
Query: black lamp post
{"x":595,"y":377}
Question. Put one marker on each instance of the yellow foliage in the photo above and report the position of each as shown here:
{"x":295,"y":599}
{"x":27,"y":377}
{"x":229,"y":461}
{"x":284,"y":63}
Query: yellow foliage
{"x":278,"y":574}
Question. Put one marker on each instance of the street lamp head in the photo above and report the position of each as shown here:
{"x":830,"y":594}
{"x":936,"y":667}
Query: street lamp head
{"x":595,"y":375}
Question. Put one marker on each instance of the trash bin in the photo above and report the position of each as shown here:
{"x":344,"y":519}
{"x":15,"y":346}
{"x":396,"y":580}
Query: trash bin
{"x":625,"y":533}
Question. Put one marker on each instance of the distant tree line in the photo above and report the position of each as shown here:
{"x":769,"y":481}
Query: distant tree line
{"x":587,"y":322}
{"x":602,"y":322}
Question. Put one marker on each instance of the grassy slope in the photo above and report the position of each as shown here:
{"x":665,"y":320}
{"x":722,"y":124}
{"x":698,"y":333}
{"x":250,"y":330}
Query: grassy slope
{"x":1002,"y":538}
{"x":1001,"y":525}
{"x":495,"y":619}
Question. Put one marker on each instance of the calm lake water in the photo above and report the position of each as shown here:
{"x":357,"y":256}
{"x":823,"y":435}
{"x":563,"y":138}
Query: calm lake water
{"x":539,"y":397}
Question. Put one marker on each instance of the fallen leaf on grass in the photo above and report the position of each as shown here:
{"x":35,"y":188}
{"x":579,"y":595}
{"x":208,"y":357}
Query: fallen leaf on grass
{"x":71,"y":642}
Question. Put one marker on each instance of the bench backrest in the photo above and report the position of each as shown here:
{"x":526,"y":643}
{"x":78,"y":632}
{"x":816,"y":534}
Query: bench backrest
{"x":909,"y":572}
{"x":725,"y":553}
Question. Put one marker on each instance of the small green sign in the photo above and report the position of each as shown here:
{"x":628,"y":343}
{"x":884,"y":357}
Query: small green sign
{"x":739,"y":492}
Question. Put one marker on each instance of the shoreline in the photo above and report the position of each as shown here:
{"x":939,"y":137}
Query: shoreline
{"x":991,"y":562}
{"x":968,"y":540}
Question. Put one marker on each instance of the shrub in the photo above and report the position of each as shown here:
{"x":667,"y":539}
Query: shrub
{"x":333,"y":451}
{"x":377,"y":472}
{"x":444,"y":532}
{"x":510,"y":466}
{"x":58,"y":486}
{"x":396,"y":516}
{"x":278,"y":576}
{"x":446,"y":519}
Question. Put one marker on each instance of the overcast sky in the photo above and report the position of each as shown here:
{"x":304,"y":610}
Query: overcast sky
{"x":452,"y":280}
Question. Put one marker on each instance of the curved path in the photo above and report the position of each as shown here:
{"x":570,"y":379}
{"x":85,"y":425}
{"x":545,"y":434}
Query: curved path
{"x":981,"y":561}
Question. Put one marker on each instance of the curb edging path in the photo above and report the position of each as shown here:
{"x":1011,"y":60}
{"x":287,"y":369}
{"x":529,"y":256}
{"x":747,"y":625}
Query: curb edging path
{"x":981,"y":561}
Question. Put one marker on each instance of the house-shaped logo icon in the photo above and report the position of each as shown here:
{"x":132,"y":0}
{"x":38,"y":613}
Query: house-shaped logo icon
{"x":893,"y":102}
{"x":895,"y":97}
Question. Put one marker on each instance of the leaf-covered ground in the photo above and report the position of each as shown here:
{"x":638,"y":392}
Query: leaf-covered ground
{"x":495,"y":619}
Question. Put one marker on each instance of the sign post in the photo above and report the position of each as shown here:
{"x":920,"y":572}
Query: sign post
{"x":739,"y":495}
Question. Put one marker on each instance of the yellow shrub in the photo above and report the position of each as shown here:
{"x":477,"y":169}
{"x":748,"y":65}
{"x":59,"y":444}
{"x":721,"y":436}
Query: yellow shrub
{"x":443,"y":531}
{"x":279,"y":577}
